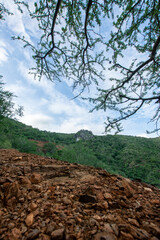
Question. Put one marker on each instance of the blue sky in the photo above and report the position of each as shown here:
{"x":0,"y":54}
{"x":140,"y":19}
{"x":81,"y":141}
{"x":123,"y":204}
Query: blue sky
{"x":50,"y":106}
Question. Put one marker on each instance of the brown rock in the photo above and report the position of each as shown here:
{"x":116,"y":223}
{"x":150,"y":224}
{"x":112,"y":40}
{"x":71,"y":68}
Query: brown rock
{"x":155,"y":201}
{"x":33,"y":234}
{"x":125,"y":186}
{"x":147,"y":189}
{"x":133,"y":222}
{"x":29,"y":220}
{"x":126,"y":236}
{"x":108,"y":196}
{"x":51,"y":227}
{"x":155,"y":229}
{"x":25,"y":181}
{"x":36,"y":178}
{"x":13,"y":190}
{"x":33,"y":206}
{"x":19,"y":158}
{"x":45,"y":237}
{"x":105,"y":236}
{"x":100,"y":196}
{"x":58,"y":234}
{"x":12,"y":202}
{"x":15,"y":234}
{"x":11,"y":225}
{"x":108,"y":228}
{"x":105,"y":205}
{"x":115,"y":228}
{"x":66,"y":201}
{"x":23,"y":228}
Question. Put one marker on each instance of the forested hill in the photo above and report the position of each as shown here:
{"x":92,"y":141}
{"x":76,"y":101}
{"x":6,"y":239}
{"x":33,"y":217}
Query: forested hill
{"x":132,"y":157}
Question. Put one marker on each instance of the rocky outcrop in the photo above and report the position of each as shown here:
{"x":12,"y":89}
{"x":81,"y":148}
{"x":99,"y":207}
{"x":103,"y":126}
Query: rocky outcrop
{"x":45,"y":199}
{"x":83,"y":135}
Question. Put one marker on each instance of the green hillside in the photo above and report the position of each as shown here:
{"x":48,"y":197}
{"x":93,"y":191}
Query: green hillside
{"x":133,"y":157}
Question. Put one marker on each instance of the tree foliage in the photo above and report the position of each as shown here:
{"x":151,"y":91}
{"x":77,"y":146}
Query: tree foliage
{"x":84,"y":40}
{"x":3,"y":11}
{"x":7,"y":107}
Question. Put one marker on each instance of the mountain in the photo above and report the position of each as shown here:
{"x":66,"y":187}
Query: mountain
{"x":46,"y":199}
{"x":131,"y":157}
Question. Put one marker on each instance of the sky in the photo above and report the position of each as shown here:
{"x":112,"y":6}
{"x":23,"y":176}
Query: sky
{"x":47,"y":105}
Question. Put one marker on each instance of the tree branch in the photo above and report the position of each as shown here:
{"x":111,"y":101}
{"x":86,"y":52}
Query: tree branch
{"x":85,"y":27}
{"x":125,"y":117}
{"x":140,"y":98}
{"x":153,"y":53}
{"x":52,"y":31}
{"x":54,"y":20}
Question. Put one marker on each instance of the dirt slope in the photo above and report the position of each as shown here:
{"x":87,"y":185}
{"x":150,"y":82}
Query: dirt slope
{"x":42,"y":198}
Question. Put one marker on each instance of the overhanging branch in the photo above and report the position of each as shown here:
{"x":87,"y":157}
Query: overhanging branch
{"x":152,"y":57}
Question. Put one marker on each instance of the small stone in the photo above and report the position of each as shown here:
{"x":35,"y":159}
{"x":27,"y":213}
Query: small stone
{"x":1,"y":212}
{"x":33,"y":234}
{"x":105,"y":236}
{"x":19,"y":158}
{"x":33,"y":206}
{"x":29,"y":220}
{"x":36,"y":178}
{"x":147,"y":189}
{"x":58,"y":234}
{"x":100,"y":196}
{"x":23,"y":228}
{"x":12,"y":202}
{"x":133,"y":222}
{"x":127,"y":236}
{"x":51,"y":227}
{"x":66,"y":201}
{"x":13,"y":190}
{"x":155,"y":201}
{"x":96,"y":217}
{"x":45,"y":237}
{"x":11,"y":225}
{"x":105,"y":204}
{"x":115,"y":228}
{"x":108,"y":228}
{"x":25,"y":180}
{"x":108,"y":196}
{"x":16,"y":234}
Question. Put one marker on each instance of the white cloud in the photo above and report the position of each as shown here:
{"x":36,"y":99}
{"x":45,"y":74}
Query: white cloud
{"x":15,"y":22}
{"x":143,"y":135}
{"x":3,"y":55}
{"x":38,"y":120}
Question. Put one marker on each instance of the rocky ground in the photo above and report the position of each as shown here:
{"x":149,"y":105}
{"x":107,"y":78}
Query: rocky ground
{"x":44,"y":199}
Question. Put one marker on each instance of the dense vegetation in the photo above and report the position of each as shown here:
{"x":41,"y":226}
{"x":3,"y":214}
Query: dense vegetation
{"x":133,"y":157}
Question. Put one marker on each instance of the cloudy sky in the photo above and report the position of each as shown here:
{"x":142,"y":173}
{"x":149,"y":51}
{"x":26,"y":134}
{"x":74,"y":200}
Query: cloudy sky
{"x":50,"y":106}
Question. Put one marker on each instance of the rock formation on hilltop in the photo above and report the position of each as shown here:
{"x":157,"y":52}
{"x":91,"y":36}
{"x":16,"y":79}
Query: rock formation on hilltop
{"x":83,"y":135}
{"x":46,"y":199}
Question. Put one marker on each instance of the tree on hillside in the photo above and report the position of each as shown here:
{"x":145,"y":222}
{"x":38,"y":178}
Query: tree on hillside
{"x":81,"y":40}
{"x":7,"y":107}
